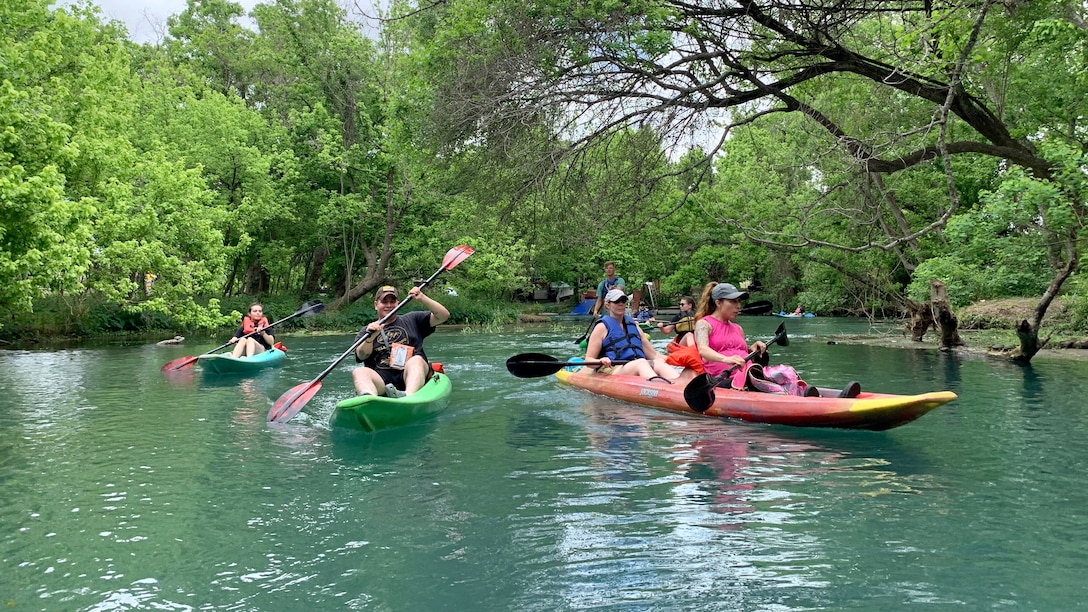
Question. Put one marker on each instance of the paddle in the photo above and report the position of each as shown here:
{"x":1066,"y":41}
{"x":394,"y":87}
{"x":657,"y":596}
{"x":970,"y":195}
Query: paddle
{"x":308,"y":309}
{"x":699,"y":394}
{"x":288,"y":405}
{"x":589,"y":330}
{"x":535,"y":365}
{"x":755,"y":308}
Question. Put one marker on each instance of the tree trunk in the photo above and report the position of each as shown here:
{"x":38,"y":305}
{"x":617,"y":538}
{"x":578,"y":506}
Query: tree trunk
{"x":1028,"y":333}
{"x":945,"y":320}
{"x":256,"y":279}
{"x":317,"y":266}
{"x":921,"y":319}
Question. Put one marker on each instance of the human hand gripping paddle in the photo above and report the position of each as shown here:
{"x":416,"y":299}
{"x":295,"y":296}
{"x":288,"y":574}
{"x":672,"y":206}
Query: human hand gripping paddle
{"x":699,"y":394}
{"x":535,"y":365}
{"x":306,"y":310}
{"x":288,"y":405}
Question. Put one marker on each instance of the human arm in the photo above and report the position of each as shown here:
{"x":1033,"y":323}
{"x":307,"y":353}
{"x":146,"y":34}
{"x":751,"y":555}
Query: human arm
{"x":667,"y":328}
{"x":648,"y":348}
{"x":602,"y":289}
{"x":366,"y":347}
{"x":262,"y":331}
{"x":439,"y":313}
{"x":593,"y":346}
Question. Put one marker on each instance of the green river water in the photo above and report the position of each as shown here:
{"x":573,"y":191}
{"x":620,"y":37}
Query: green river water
{"x":124,"y":490}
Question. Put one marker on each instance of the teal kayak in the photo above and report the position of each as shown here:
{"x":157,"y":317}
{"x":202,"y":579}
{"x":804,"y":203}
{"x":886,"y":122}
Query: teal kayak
{"x":377,"y":412}
{"x":224,"y":363}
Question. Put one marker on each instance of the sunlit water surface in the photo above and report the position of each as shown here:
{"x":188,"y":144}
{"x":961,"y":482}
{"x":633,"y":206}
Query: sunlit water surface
{"x":122,"y":489}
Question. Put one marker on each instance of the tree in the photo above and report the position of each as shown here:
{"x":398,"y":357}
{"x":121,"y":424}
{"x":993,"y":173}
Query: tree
{"x":687,"y":68}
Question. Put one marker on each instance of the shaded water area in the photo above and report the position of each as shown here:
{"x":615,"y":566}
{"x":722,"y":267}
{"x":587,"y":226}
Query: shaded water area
{"x":122,"y":489}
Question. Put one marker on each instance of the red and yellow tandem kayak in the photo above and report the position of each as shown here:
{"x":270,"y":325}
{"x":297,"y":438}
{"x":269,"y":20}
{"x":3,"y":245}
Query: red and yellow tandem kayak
{"x":875,"y":411}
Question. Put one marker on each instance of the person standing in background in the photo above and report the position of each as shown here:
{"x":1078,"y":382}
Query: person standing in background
{"x":610,"y":282}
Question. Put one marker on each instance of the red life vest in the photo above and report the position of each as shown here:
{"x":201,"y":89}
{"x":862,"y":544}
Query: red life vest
{"x":248,"y":326}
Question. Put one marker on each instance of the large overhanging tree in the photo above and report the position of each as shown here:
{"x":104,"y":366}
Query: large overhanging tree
{"x":923,"y":85}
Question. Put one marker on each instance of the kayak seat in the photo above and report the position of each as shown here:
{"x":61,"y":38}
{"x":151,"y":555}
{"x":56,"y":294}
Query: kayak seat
{"x":852,"y":389}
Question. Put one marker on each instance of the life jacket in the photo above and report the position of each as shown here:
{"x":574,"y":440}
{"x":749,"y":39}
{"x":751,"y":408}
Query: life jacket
{"x":248,"y":326}
{"x":623,"y":342}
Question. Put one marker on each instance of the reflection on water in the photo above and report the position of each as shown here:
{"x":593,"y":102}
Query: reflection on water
{"x":125,"y":489}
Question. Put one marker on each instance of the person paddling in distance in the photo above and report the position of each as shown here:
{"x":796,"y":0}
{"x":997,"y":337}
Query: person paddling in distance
{"x":393,"y":354}
{"x":682,"y":324}
{"x":253,"y":321}
{"x":617,"y":337}
{"x":610,"y":282}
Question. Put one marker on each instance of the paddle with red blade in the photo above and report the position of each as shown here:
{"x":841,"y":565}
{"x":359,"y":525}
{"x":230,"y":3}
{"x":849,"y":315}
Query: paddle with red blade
{"x":308,"y":309}
{"x":288,"y":405}
{"x":535,"y":365}
{"x":699,"y":394}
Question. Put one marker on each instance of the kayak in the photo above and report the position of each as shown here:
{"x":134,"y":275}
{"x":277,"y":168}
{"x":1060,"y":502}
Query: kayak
{"x":225,"y":363}
{"x":793,"y":315}
{"x":377,"y":412}
{"x":875,"y":411}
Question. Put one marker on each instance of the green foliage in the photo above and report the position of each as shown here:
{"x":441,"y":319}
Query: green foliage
{"x":966,"y":282}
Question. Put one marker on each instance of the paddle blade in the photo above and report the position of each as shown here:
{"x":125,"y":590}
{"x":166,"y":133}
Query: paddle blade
{"x":780,"y":336}
{"x":757,"y":308}
{"x":699,"y":394}
{"x":179,"y":364}
{"x":288,"y":405}
{"x":533,"y":365}
{"x":310,"y":308}
{"x":456,"y":255}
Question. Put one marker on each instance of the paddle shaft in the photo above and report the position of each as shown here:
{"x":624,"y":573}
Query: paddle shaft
{"x":538,"y":368}
{"x":588,"y":329}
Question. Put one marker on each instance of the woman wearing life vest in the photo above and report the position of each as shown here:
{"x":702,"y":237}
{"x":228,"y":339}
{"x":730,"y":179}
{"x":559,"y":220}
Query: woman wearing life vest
{"x":255,"y":321}
{"x":617,"y":337}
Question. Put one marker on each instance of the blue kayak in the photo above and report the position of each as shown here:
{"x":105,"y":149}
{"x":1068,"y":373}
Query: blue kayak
{"x":224,"y":363}
{"x":793,"y":315}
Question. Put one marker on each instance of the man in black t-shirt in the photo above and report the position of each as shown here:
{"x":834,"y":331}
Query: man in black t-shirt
{"x":393,"y":354}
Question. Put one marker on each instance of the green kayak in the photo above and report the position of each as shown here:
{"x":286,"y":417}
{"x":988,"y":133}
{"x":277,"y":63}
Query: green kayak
{"x":224,"y":363}
{"x":376,"y":412}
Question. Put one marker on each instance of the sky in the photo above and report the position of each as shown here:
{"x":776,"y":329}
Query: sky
{"x":146,"y":19}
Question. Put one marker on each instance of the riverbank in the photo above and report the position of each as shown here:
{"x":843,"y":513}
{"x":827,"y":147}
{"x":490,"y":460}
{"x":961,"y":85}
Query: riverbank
{"x":988,"y":328}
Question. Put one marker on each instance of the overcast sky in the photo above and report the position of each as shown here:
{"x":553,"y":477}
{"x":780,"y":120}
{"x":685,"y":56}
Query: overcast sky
{"x":146,"y":19}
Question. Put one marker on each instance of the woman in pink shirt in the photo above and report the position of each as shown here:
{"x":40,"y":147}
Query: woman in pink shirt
{"x":722,"y":346}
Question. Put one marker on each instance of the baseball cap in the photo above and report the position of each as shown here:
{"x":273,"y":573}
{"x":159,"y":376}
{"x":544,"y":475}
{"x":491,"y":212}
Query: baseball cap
{"x":384,"y":291}
{"x":728,"y":292}
{"x":615,"y":295}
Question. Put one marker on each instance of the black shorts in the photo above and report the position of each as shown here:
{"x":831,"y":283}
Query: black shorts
{"x":396,"y":377}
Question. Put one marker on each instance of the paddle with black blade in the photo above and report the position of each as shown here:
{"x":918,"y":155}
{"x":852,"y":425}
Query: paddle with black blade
{"x":535,"y":365}
{"x":588,"y":330}
{"x":699,"y":394}
{"x":288,"y":405}
{"x":756,"y":308}
{"x":308,"y":309}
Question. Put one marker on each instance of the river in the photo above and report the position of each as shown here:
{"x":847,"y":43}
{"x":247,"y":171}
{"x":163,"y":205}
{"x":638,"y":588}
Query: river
{"x":123,"y":489}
